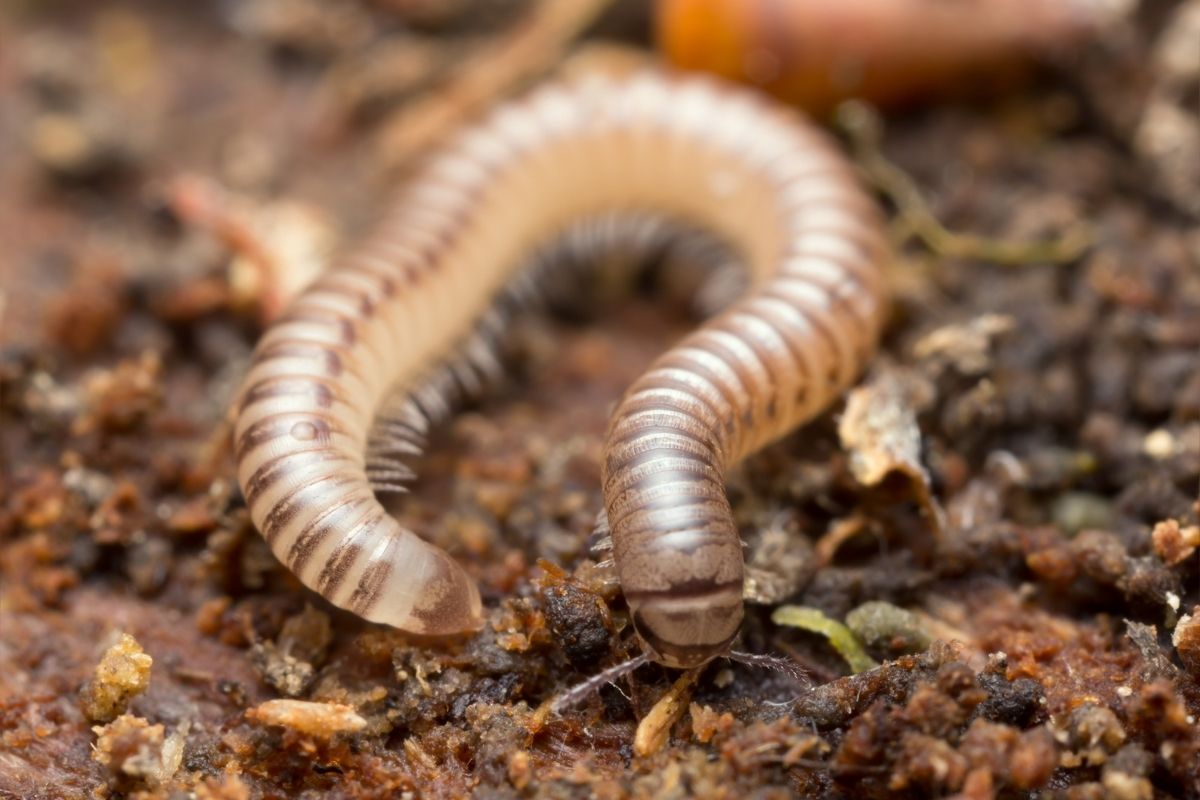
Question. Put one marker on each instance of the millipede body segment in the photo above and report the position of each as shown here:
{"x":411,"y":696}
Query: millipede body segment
{"x":346,"y":383}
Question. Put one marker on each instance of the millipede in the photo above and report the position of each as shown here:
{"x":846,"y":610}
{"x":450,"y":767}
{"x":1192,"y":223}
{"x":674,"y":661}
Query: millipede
{"x":344,"y":387}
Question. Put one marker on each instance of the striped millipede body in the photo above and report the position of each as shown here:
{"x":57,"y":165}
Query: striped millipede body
{"x":340,"y":388}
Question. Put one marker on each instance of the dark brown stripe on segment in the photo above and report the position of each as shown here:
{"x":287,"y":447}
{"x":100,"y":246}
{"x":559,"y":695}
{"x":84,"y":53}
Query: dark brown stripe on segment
{"x":798,"y":208}
{"x":316,"y":315}
{"x":301,"y":311}
{"x":628,"y":428}
{"x":825,"y":320}
{"x":333,"y":574}
{"x":703,"y":510}
{"x":325,"y":356}
{"x":324,"y":525}
{"x":717,"y":346}
{"x":286,"y":510}
{"x":673,"y":441}
{"x":794,"y":370}
{"x":686,"y":590}
{"x":860,"y":245}
{"x":357,"y":286}
{"x":853,"y":263}
{"x":840,"y":296}
{"x":662,"y":495}
{"x":848,"y":297}
{"x":731,"y":394}
{"x":848,"y":229}
{"x":659,"y":380}
{"x":281,"y":424}
{"x":688,"y":406}
{"x":780,"y":330}
{"x":819,"y":324}
{"x":653,"y":471}
{"x":802,"y":363}
{"x":288,"y":386}
{"x":734,"y":325}
{"x":686,"y":653}
{"x":278,"y":467}
{"x":391,"y":266}
{"x":684,"y":362}
{"x":636,"y":460}
{"x":373,"y":264}
{"x":366,"y":594}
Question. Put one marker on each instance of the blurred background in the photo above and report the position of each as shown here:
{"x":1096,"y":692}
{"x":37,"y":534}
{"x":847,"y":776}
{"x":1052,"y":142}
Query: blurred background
{"x":172,"y":173}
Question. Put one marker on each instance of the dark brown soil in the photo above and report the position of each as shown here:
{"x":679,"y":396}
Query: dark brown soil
{"x":1043,"y":537}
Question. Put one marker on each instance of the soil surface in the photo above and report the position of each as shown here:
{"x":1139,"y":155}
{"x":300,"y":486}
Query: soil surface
{"x":1018,"y":471}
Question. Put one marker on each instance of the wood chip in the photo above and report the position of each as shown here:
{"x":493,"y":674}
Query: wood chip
{"x":655,"y":728}
{"x":319,"y":720}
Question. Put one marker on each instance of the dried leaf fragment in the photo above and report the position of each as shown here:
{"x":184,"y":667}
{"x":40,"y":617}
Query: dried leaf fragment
{"x":1093,"y":734}
{"x":289,"y":664}
{"x":879,"y":427}
{"x":1174,"y":544}
{"x":967,"y":348}
{"x":1168,"y":136}
{"x":779,"y":561}
{"x":532,"y":46}
{"x":707,"y":723}
{"x":879,"y":430}
{"x":1145,"y":637}
{"x":1186,"y":639}
{"x":278,"y":247}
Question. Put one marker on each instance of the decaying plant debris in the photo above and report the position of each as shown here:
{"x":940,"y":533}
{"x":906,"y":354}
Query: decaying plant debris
{"x":1037,"y":520}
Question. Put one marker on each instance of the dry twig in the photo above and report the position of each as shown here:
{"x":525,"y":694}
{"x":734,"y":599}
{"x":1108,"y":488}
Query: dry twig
{"x":914,"y":219}
{"x":533,"y":46}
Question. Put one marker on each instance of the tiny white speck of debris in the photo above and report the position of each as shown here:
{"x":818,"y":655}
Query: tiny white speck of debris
{"x":1159,"y":444}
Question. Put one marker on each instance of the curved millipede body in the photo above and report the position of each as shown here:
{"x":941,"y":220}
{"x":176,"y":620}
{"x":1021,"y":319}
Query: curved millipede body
{"x":347,"y":382}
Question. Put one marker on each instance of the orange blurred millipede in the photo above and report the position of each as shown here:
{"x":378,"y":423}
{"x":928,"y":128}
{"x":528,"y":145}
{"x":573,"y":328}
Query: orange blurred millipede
{"x":815,"y":53}
{"x":347,"y":382}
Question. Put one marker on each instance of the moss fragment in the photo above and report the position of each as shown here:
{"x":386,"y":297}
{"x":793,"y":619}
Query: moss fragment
{"x":883,"y":627}
{"x":815,"y":621}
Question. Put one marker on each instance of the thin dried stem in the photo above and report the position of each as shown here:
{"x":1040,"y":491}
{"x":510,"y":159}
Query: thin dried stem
{"x":914,"y":219}
{"x":534,"y":46}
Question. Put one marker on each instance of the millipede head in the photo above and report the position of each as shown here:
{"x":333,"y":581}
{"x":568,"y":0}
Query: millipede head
{"x":686,"y":631}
